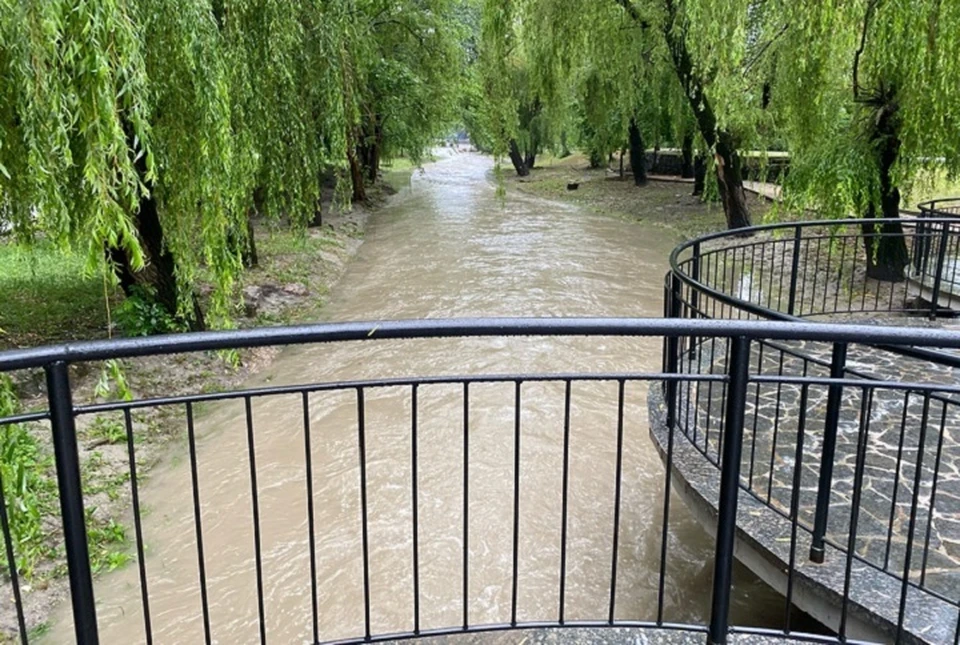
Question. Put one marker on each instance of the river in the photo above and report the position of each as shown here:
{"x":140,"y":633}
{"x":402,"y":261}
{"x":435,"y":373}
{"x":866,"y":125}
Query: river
{"x":447,"y":246}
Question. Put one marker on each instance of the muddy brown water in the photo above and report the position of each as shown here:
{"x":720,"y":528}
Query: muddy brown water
{"x":446,"y":247}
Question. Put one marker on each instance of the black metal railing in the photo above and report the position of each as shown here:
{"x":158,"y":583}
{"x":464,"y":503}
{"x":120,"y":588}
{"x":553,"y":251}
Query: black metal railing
{"x":936,"y":252}
{"x":838,"y":446}
{"x":529,"y":410}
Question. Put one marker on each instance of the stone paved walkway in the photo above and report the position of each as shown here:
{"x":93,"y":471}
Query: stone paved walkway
{"x":893,"y":419}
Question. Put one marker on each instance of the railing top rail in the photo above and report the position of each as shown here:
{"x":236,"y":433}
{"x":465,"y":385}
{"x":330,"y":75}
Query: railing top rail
{"x":947,"y":207}
{"x":471,"y":327}
{"x":783,"y":226}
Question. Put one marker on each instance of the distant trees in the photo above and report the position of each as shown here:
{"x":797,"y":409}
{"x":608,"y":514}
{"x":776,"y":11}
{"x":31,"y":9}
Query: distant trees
{"x":148,"y":133}
{"x":862,"y":93}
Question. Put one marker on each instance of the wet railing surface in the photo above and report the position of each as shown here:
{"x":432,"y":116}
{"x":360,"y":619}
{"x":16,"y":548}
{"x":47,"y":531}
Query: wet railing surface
{"x":855,"y":444}
{"x":716,"y":403}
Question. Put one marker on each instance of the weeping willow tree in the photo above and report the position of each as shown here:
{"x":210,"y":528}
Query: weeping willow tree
{"x":866,"y":93}
{"x":117,"y":140}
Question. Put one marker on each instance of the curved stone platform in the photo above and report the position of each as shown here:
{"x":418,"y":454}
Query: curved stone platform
{"x":763,"y":533}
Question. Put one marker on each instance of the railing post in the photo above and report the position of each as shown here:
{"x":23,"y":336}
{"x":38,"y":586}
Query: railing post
{"x":738,"y":374}
{"x":794,"y":270}
{"x":673,"y":354}
{"x":695,"y":274}
{"x":838,"y":362}
{"x":938,"y":276}
{"x":71,"y":503}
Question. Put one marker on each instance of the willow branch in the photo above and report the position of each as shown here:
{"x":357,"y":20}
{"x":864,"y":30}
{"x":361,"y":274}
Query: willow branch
{"x":763,"y":50}
{"x":871,"y":8}
{"x":633,"y":13}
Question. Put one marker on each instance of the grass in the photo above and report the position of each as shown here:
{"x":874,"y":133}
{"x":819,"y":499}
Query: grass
{"x":931,"y":184}
{"x":45,"y":293}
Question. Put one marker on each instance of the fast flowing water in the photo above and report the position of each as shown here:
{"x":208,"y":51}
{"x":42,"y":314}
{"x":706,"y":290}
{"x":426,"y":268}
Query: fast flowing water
{"x":445,"y":247}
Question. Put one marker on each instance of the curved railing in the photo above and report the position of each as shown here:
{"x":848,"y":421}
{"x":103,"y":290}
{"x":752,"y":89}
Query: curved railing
{"x":877,"y":483}
{"x":504,"y":546}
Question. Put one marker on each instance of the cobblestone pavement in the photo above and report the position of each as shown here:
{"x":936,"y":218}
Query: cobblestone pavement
{"x":891,"y":422}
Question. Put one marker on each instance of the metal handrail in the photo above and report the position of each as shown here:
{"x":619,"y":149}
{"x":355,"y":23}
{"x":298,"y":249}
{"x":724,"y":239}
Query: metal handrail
{"x":469,"y":328}
{"x":741,"y":334}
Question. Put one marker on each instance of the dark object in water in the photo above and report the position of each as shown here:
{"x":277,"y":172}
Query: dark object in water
{"x":573,"y":185}
{"x":920,"y":306}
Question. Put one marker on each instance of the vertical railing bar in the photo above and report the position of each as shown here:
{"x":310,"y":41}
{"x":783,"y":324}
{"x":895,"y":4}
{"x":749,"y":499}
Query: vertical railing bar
{"x":756,"y":417}
{"x":565,"y":500}
{"x":724,"y":395}
{"x":816,"y":272}
{"x":311,"y":528}
{"x":843,"y":257}
{"x":803,"y":282}
{"x":12,"y":562}
{"x":738,"y":370}
{"x":863,"y":292}
{"x":695,"y":275}
{"x":896,"y":481}
{"x":664,"y":530}
{"x":933,"y":494}
{"x":516,"y":504}
{"x":364,"y":541}
{"x":776,"y":429}
{"x":863,"y":440}
{"x":255,"y":499}
{"x":466,"y":505}
{"x":415,"y":503}
{"x":917,"y":479}
{"x":795,"y":503}
{"x":826,"y":272}
{"x":197,"y":522}
{"x":616,"y":502}
{"x":72,"y":512}
{"x":938,"y":277}
{"x":831,"y":421}
{"x":138,"y":526}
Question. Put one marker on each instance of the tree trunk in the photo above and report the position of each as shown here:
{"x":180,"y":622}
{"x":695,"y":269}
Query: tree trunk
{"x":356,"y":177}
{"x":530,"y":160}
{"x":729,"y":179}
{"x":250,"y":256}
{"x":623,"y":153}
{"x":638,"y":161}
{"x":596,"y":159}
{"x":374,"y":151}
{"x":699,"y":175}
{"x":886,"y":248}
{"x":159,"y":273}
{"x":686,"y":168}
{"x":317,"y":220}
{"x":517,"y":159}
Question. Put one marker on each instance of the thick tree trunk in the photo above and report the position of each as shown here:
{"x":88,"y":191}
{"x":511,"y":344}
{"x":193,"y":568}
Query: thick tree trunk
{"x":729,"y":179}
{"x":885,"y":246}
{"x":159,"y":274}
{"x":686,"y":168}
{"x":356,"y":177}
{"x":517,"y":159}
{"x":638,"y":161}
{"x":699,"y":175}
{"x":530,"y":160}
{"x":623,"y":153}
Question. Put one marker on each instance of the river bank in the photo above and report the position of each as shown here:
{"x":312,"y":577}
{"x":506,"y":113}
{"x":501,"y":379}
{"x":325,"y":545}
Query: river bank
{"x":290,"y":285}
{"x":662,"y":204}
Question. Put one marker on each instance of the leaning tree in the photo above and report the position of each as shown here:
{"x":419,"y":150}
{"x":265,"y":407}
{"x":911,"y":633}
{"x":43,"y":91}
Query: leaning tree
{"x":866,"y":92}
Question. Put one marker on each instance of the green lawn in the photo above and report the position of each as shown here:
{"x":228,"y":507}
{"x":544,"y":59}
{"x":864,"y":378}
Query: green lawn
{"x":47,"y":296}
